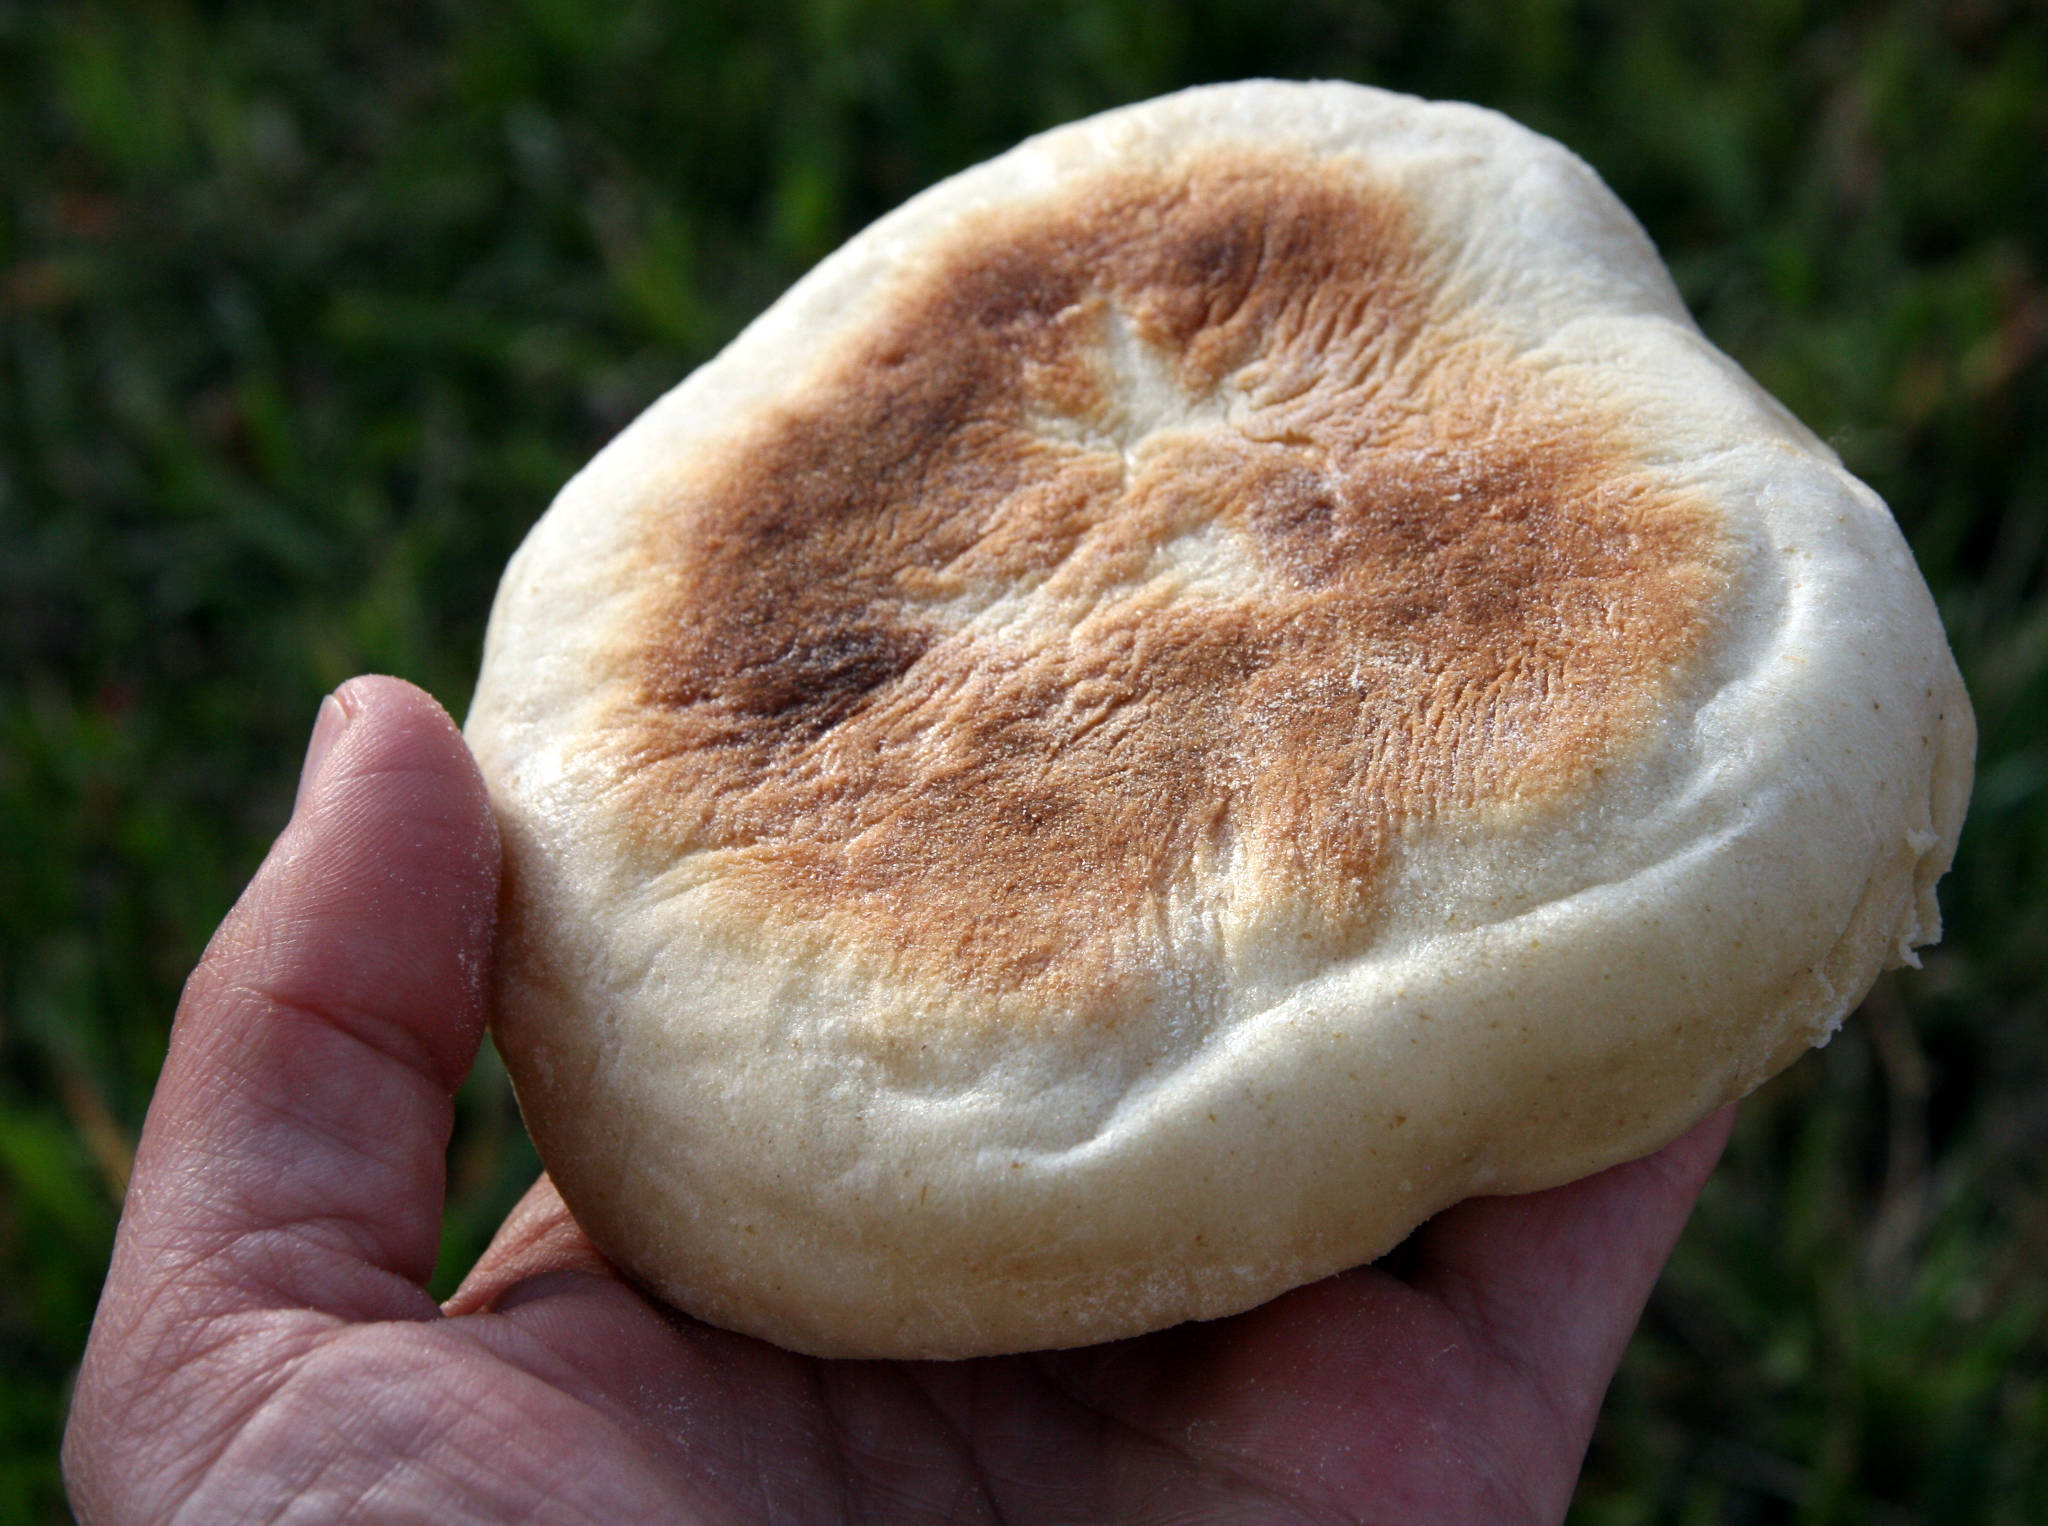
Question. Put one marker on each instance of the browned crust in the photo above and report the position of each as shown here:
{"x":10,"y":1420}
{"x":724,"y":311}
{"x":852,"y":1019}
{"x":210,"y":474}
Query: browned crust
{"x":1400,"y":574}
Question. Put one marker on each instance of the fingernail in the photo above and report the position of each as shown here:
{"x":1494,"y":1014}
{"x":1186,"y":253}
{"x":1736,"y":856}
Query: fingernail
{"x":328,"y":726}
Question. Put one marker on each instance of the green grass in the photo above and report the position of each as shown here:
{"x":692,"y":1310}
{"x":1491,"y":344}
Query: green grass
{"x":306,"y":311}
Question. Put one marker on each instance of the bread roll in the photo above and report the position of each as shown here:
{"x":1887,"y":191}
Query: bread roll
{"x":1203,"y":690}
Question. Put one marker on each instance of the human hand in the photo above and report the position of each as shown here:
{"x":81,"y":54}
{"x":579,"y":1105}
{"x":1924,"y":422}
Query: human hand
{"x":266,"y":1349}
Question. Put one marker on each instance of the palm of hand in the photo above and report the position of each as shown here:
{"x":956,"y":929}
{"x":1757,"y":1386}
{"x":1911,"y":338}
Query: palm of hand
{"x":266,"y":1350}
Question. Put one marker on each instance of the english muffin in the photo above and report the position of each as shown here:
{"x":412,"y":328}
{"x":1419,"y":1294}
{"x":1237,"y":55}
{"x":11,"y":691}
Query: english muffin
{"x":1203,"y":690}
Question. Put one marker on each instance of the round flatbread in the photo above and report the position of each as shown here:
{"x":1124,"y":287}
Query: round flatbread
{"x":1203,"y":690}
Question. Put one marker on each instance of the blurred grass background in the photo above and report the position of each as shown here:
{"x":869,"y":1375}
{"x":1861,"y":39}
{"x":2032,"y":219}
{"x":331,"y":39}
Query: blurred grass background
{"x":307,"y":310}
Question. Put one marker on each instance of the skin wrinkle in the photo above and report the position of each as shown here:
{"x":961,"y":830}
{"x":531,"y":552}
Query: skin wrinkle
{"x":200,"y":1250}
{"x":560,"y":1366}
{"x":978,"y":1481}
{"x":1497,"y":1477}
{"x":1043,"y":1368}
{"x":267,"y":1261}
{"x":391,"y":1040}
{"x":834,"y":1446}
{"x":381,"y":1153}
{"x":1447,"y":587}
{"x":343,"y":1450}
{"x":182,"y":1473}
{"x":864,"y":1493}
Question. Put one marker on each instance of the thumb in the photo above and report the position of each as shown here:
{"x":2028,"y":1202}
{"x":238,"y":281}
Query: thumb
{"x":293,"y":1156}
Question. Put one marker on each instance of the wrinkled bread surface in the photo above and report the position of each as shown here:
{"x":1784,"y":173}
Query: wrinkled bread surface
{"x":1205,"y":689}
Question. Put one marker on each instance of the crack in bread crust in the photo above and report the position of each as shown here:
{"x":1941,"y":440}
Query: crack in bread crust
{"x":1153,"y":559}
